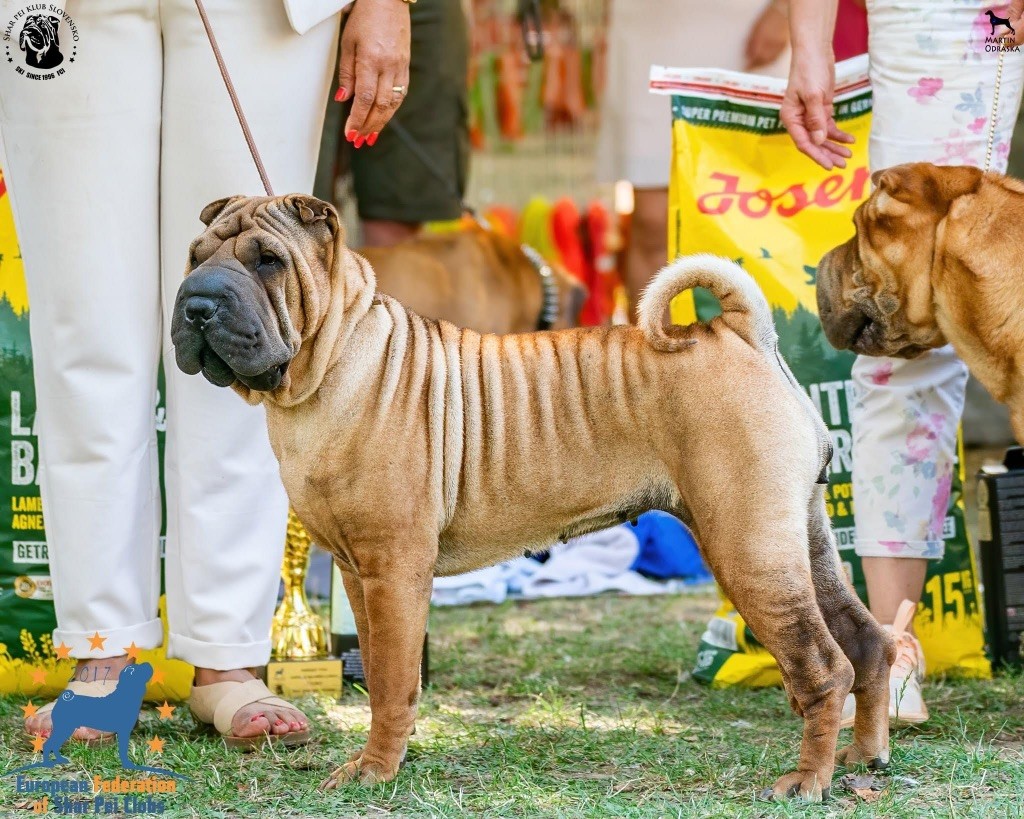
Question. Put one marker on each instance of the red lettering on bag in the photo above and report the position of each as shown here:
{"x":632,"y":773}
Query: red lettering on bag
{"x":763,"y":196}
{"x":731,"y":185}
{"x":799,"y":201}
{"x":831,"y":192}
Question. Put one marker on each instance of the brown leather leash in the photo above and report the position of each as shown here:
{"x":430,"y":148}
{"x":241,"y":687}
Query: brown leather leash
{"x":234,"y":100}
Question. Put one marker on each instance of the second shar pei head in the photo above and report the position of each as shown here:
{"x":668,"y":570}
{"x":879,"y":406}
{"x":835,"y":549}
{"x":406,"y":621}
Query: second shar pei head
{"x":935,"y":260}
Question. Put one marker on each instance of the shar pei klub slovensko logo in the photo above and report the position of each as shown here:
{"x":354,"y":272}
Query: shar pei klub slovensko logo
{"x":36,"y":32}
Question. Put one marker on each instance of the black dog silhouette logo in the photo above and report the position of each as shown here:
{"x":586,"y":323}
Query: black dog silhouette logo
{"x":40,"y":41}
{"x":998,"y":21}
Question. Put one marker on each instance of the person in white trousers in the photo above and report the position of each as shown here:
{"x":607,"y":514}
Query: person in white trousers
{"x":109,"y":164}
{"x":932,"y":76}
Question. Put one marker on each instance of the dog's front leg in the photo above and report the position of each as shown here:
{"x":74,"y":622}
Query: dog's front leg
{"x":396,"y":600}
{"x":354,"y":591}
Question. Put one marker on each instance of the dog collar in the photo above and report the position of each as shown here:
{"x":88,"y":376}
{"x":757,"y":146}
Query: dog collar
{"x":549,"y":306}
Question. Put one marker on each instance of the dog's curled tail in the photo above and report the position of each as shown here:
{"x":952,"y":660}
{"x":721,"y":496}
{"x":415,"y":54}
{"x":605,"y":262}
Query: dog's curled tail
{"x":744,"y":307}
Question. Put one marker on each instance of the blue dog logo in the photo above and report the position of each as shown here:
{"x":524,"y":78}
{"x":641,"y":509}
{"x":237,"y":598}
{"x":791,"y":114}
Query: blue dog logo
{"x":115,"y":713}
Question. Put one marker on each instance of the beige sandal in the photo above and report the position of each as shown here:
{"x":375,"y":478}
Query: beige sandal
{"x":95,"y":688}
{"x":216,"y":704}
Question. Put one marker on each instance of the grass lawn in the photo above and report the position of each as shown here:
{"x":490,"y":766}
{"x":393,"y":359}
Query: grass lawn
{"x":579,"y":708}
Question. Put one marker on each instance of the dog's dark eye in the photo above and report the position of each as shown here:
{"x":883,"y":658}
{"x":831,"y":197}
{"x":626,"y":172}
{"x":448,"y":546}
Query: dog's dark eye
{"x":193,"y":260}
{"x":268,"y":259}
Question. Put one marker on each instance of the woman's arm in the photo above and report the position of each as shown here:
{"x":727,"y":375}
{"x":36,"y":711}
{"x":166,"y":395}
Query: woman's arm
{"x":768,"y":36}
{"x":807,"y":107}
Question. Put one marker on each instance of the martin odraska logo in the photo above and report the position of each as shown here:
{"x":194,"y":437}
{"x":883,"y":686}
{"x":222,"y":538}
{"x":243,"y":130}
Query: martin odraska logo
{"x":32,"y":41}
{"x":1003,"y":41}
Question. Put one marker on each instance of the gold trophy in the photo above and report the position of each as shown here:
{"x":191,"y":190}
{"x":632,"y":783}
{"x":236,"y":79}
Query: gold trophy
{"x":300,"y":657}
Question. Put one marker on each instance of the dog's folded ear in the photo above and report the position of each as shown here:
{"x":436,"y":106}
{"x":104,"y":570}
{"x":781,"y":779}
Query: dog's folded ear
{"x":312,"y":210}
{"x":214,"y":209}
{"x":921,"y":183}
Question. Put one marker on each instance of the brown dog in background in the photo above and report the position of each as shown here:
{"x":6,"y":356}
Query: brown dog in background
{"x":412,"y":448}
{"x":476,"y":278}
{"x":936,"y":259}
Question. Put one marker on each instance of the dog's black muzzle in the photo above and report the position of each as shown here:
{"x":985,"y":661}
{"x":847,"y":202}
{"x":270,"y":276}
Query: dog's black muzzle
{"x":224,"y":326}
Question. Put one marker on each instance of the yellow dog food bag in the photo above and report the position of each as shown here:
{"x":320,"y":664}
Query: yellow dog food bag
{"x":740,"y":189}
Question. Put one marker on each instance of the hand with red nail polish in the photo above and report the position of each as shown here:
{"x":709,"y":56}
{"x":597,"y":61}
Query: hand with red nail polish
{"x":371,"y":140}
{"x":379,"y":33}
{"x":351,"y":134}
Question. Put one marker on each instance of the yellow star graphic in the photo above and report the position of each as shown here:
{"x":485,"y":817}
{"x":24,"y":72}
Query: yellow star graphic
{"x":132,"y":651}
{"x":166,"y":711}
{"x":37,"y":743}
{"x":39,"y":676}
{"x":156,"y":745}
{"x":30,"y":709}
{"x":96,"y":642}
{"x":63,"y":651}
{"x":158,"y":676}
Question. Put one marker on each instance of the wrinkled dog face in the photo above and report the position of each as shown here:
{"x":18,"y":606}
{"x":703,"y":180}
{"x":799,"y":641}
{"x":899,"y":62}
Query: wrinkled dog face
{"x":874,"y":292}
{"x":239,"y":313}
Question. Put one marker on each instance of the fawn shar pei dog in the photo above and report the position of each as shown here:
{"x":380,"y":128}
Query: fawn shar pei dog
{"x":479,"y":279}
{"x":932,"y":262}
{"x":412,"y":448}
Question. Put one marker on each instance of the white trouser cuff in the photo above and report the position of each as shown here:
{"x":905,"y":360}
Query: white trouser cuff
{"x":115,"y":643}
{"x":218,"y":656}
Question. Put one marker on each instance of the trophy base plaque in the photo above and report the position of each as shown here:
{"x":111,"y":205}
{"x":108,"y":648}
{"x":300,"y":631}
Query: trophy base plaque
{"x":293,"y":678}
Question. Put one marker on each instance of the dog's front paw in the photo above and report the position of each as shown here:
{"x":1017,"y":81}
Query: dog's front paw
{"x":853,"y":755}
{"x":807,"y":785}
{"x":362,"y":769}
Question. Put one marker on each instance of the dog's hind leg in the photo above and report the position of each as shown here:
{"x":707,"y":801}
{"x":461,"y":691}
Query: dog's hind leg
{"x":759,"y":556}
{"x":863,"y":641}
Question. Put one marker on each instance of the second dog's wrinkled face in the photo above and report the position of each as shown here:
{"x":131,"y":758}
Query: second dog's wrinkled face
{"x":239,"y":314}
{"x":874,"y":292}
